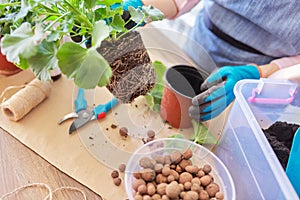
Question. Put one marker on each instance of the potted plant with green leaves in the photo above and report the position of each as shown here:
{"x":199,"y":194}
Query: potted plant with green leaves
{"x":102,"y":25}
{"x":10,"y":19}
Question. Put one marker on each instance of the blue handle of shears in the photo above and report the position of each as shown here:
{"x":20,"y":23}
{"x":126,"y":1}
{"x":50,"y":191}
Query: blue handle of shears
{"x":80,"y":102}
{"x":104,"y":108}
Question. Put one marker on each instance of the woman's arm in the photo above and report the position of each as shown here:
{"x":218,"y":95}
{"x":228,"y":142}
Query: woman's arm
{"x":172,"y":8}
{"x":275,"y":65}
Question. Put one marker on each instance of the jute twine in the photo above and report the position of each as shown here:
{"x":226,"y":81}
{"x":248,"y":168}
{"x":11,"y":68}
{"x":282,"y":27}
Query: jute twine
{"x":50,"y":194}
{"x":22,"y":102}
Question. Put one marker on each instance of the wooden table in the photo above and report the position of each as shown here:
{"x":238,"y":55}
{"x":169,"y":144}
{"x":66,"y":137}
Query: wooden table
{"x":21,"y":166}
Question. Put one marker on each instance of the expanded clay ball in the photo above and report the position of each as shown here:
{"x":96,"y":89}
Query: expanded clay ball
{"x":166,"y":170}
{"x":146,"y":162}
{"x":148,"y":174}
{"x":117,"y":181}
{"x":161,"y":179}
{"x":142,"y":189}
{"x":115,"y":174}
{"x":184,"y":163}
{"x":176,"y":157}
{"x":159,"y":159}
{"x":205,"y":180}
{"x":191,"y":195}
{"x":185,"y":177}
{"x":161,"y":188}
{"x":212,"y":189}
{"x":122,"y":167}
{"x":206,"y":168}
{"x":187,"y":154}
{"x":123,"y":132}
{"x":219,"y":196}
{"x":173,"y":190}
{"x":158,"y":167}
{"x":193,"y":169}
{"x":151,"y":189}
{"x":203,"y":195}
{"x":137,"y":182}
{"x":156,"y":197}
{"x":151,"y":134}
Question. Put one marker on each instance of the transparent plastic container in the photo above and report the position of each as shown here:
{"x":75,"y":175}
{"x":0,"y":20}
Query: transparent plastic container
{"x":243,"y":147}
{"x":201,"y":156}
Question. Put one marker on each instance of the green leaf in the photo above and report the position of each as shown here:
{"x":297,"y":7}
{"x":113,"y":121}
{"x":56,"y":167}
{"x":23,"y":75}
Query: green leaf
{"x":22,"y":42}
{"x":100,"y":33}
{"x":152,"y":13}
{"x":202,"y":135}
{"x":108,"y":2}
{"x":54,"y":36}
{"x":118,"y":23}
{"x":179,"y":135}
{"x":89,"y":3}
{"x":70,"y":56}
{"x":25,"y":8}
{"x":44,"y":60}
{"x":153,"y":98}
{"x":136,"y":14}
{"x":174,"y":144}
{"x":94,"y":71}
{"x":87,"y":67}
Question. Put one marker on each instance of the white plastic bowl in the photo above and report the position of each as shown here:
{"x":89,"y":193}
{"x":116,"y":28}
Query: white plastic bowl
{"x":201,"y":156}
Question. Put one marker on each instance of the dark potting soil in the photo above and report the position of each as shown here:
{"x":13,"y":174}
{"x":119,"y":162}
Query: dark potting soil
{"x":280,"y":136}
{"x":133,"y":73}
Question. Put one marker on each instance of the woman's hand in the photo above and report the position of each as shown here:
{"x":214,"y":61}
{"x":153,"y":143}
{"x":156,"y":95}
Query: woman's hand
{"x":217,"y":91}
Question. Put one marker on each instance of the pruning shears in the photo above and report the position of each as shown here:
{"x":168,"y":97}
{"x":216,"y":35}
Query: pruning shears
{"x":84,"y":115}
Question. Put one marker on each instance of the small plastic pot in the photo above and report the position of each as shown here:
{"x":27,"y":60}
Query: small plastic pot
{"x":182,"y":83}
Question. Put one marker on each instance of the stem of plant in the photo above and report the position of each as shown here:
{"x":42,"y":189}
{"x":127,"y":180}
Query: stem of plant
{"x":55,"y":21}
{"x":137,"y":25}
{"x":10,"y":4}
{"x":80,"y":15}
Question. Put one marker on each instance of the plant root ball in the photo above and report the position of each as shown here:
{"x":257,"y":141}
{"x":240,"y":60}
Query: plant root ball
{"x":132,"y":72}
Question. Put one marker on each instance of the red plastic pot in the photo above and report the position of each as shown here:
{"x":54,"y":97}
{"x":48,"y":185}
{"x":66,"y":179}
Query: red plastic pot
{"x":182,"y":83}
{"x":7,"y":68}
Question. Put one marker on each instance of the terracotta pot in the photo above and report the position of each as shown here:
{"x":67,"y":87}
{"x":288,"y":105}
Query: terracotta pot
{"x":182,"y":83}
{"x":7,"y":68}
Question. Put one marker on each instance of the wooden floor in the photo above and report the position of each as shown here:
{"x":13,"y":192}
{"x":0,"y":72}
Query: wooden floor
{"x":20,"y":166}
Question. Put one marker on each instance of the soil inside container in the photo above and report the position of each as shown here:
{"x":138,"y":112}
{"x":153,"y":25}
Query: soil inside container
{"x":280,"y":136}
{"x":133,"y":73}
